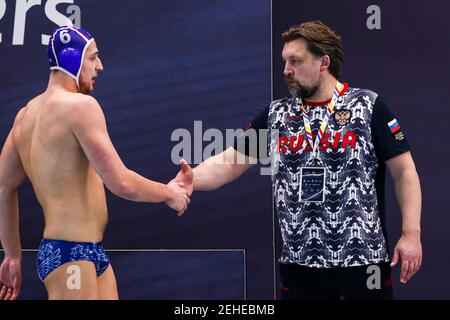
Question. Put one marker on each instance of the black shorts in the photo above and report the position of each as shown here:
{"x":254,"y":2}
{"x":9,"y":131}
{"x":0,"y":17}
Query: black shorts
{"x":371,"y":282}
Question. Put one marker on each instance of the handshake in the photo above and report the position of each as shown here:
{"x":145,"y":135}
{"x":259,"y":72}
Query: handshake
{"x":181,"y":188}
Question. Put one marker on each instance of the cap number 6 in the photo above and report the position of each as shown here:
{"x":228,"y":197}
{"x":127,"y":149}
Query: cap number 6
{"x":64,"y":36}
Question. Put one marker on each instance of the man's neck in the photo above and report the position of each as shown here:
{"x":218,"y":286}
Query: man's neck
{"x":325,"y":90}
{"x":62,"y":81}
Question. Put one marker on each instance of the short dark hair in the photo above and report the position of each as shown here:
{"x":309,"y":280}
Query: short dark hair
{"x":321,"y":41}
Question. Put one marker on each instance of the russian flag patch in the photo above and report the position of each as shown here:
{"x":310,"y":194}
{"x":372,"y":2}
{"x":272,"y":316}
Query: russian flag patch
{"x":394,"y":126}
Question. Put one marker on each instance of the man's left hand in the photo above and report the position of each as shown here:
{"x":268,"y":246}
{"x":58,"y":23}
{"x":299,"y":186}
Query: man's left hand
{"x":409,"y":250}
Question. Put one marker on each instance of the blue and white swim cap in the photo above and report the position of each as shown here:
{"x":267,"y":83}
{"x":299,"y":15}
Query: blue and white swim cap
{"x":66,"y":50}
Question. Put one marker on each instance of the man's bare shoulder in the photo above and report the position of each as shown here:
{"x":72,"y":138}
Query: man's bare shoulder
{"x":21,"y":114}
{"x":84,"y":109}
{"x":66,"y":101}
{"x":79,"y":101}
{"x":19,"y":118}
{"x":81,"y":104}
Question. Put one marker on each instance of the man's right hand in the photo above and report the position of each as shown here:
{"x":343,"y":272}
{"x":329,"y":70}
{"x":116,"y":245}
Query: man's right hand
{"x":10,"y":278}
{"x":186,"y":177}
{"x":179,"y":199}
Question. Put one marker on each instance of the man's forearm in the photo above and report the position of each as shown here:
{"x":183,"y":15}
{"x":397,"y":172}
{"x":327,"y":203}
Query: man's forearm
{"x":139,"y":189}
{"x":210,"y":176}
{"x":218,"y":171}
{"x":9,"y":223}
{"x":407,"y":188}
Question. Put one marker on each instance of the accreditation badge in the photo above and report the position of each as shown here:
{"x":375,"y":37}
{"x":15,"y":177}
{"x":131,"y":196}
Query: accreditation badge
{"x":312,"y":184}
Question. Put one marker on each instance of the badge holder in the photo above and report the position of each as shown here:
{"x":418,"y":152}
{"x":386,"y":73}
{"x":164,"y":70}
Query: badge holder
{"x":312,"y":184}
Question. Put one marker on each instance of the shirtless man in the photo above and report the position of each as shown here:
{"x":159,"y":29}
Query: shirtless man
{"x":60,"y":141}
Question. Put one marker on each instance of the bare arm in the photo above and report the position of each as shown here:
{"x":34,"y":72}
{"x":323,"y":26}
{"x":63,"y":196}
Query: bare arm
{"x":12,"y":175}
{"x":407,"y":188}
{"x":89,"y":126}
{"x":220,"y":170}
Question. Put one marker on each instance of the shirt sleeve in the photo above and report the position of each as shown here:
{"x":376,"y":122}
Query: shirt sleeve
{"x":245,"y":144}
{"x":388,"y":136}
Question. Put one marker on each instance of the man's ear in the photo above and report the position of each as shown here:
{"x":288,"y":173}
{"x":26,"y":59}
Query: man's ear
{"x":325,"y":62}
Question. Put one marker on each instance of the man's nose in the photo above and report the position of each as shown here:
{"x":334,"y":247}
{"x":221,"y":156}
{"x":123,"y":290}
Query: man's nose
{"x":288,"y":70}
{"x":100,"y":65}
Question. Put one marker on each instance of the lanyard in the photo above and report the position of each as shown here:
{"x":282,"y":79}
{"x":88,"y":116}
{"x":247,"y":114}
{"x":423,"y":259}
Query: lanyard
{"x":323,"y":126}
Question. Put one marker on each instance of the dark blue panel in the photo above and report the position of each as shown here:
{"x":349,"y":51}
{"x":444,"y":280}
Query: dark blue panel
{"x":187,"y":275}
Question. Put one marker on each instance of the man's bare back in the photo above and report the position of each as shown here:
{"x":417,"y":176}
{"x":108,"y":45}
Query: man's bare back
{"x":69,"y":190}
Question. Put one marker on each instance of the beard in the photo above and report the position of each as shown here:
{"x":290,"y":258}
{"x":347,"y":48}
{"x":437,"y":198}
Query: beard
{"x":299,"y":91}
{"x":85,"y":88}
